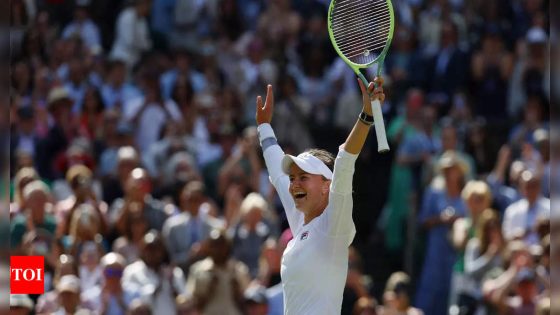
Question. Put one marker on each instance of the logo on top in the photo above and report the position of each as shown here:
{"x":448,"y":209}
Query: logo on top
{"x":304,"y":235}
{"x":27,"y":274}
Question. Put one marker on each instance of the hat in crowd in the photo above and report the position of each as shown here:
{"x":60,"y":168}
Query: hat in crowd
{"x":536,"y":35}
{"x":398,"y":282}
{"x":525,"y":274}
{"x":58,"y":94}
{"x":308,"y":163}
{"x":256,"y":294}
{"x":451,"y":158}
{"x":21,"y":300}
{"x":68,"y":283}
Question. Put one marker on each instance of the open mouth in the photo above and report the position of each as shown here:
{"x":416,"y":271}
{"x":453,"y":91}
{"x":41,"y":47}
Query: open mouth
{"x":299,"y":195}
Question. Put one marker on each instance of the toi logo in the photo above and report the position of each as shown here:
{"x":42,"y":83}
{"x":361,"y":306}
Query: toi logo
{"x":27,"y":274}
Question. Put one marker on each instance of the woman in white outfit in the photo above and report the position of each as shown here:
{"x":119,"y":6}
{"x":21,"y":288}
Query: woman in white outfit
{"x":316,"y":192}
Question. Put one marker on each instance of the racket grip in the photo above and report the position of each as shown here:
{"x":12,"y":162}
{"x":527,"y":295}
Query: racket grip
{"x":382,"y":145}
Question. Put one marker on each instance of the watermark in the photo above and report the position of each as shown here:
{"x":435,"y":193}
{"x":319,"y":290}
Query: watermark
{"x":27,"y":274}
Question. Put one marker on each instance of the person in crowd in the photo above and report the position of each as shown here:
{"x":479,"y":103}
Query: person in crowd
{"x":482,"y":254}
{"x":185,"y":234}
{"x":251,"y":232}
{"x":23,"y":177}
{"x":397,"y":296}
{"x":441,"y":207}
{"x":152,"y":277}
{"x":132,"y":37}
{"x":138,"y":197}
{"x":477,"y":197}
{"x":83,"y":26}
{"x":69,"y":290}
{"x":36,"y":215}
{"x":109,"y":297}
{"x":217,"y":283}
{"x":520,"y":218}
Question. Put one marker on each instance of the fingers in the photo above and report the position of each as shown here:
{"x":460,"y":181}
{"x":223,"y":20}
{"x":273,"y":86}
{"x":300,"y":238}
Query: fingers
{"x":269,"y":97}
{"x":259,"y":103}
{"x":362,"y":87}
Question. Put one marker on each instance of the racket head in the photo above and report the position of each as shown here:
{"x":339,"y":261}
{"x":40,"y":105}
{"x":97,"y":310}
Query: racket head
{"x":361,"y":31}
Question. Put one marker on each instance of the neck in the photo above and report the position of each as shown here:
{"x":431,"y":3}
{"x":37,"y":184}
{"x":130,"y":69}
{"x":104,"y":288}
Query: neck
{"x":309,"y":216}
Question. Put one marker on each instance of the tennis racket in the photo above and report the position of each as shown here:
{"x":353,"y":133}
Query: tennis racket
{"x":361,"y":32}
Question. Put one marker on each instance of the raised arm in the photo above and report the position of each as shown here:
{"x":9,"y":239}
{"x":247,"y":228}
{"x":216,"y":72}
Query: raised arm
{"x":357,"y":137}
{"x":273,"y":155}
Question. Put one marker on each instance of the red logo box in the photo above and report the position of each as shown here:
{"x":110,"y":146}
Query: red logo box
{"x":27,"y":274}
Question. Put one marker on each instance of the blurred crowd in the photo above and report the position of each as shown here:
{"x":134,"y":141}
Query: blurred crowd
{"x":136,"y":170}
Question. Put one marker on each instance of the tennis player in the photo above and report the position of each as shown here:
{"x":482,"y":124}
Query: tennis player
{"x":316,"y":192}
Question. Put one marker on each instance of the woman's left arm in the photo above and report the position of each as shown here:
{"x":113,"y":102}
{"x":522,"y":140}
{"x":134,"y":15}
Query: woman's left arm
{"x":357,"y":137}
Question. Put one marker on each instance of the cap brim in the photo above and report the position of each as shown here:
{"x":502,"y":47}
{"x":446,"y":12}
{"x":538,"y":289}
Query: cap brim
{"x":288,"y":160}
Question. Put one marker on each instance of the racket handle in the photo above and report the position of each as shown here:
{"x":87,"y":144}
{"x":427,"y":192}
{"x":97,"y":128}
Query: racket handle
{"x":382,"y":145}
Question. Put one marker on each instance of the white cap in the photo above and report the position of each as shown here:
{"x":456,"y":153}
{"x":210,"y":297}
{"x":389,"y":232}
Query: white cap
{"x":68,"y":283}
{"x":21,"y":300}
{"x":308,"y":163}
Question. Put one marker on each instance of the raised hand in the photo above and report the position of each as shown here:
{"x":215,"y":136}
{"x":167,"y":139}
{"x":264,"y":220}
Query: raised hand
{"x":372,"y":93}
{"x":264,"y":113}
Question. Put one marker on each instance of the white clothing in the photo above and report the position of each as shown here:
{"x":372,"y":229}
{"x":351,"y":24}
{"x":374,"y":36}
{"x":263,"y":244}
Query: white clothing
{"x":86,"y":30}
{"x":139,"y":279}
{"x":315,"y":262}
{"x":520,"y":219}
{"x":152,"y":120}
{"x":132,"y":37}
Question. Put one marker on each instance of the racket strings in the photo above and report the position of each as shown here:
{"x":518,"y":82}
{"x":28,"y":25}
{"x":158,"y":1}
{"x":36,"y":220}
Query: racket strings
{"x":361,"y":28}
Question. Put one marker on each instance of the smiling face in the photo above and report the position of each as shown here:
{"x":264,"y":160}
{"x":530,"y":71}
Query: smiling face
{"x":310,"y":191}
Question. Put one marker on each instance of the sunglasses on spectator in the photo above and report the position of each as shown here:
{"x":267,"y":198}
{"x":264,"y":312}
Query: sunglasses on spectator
{"x":113,"y":273}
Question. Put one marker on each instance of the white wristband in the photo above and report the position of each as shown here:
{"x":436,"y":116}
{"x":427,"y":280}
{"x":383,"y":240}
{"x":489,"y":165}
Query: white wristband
{"x":265,"y":131}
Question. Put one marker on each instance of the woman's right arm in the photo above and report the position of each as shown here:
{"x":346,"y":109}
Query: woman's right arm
{"x":273,"y":156}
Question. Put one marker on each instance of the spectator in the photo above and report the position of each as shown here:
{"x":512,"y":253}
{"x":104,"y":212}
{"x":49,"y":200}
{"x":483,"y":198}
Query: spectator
{"x":117,"y":89}
{"x":48,"y":303}
{"x":132,"y":34}
{"x":83,"y":27}
{"x":59,"y":135}
{"x":109,"y":297}
{"x":127,"y":159}
{"x":441,"y":207}
{"x":185,"y":234}
{"x":69,"y":291}
{"x":477,"y":197}
{"x":397,"y":296}
{"x":150,"y":113}
{"x":138,"y":198}
{"x":36,"y":215}
{"x":23,"y":177}
{"x":153,"y":278}
{"x":520,"y":218}
{"x":128,"y":245}
{"x":250,"y":234}
{"x":23,"y":137}
{"x":80,"y":179}
{"x":217,"y":283}
{"x":483,"y":253}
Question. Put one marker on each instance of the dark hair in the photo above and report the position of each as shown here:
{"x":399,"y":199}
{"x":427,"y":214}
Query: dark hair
{"x":323,"y":155}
